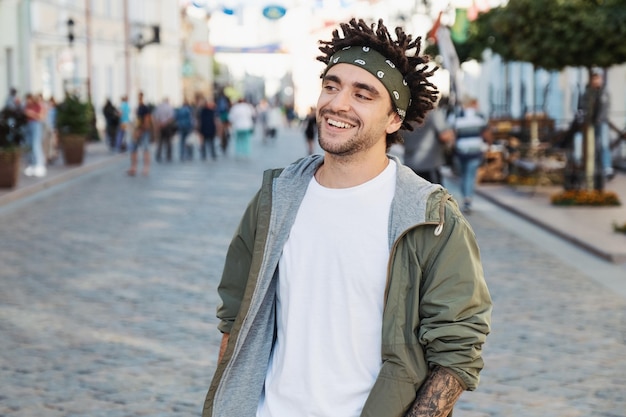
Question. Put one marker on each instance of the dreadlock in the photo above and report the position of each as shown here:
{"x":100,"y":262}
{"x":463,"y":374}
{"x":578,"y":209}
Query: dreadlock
{"x":413,"y":67}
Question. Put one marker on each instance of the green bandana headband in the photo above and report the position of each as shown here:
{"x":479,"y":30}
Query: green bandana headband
{"x":381,"y":68}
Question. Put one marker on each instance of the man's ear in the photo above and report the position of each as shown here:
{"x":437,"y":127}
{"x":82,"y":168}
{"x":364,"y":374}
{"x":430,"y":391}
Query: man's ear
{"x":394,"y":124}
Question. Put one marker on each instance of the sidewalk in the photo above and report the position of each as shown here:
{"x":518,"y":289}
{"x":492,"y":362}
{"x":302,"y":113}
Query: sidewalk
{"x":97,"y":155}
{"x":590,"y":228}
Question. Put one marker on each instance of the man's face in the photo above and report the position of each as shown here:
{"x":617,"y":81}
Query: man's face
{"x":354,"y":112}
{"x":596,"y":81}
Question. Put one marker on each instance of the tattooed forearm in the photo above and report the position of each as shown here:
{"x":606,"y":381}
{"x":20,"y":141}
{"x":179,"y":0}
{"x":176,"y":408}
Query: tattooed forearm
{"x":437,"y":395}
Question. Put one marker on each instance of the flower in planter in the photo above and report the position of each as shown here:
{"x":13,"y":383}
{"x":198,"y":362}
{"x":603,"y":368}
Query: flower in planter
{"x":521,"y":180}
{"x":585,"y":198}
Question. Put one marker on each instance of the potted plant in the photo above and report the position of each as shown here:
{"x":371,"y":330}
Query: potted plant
{"x":12,"y":135}
{"x":73,"y":121}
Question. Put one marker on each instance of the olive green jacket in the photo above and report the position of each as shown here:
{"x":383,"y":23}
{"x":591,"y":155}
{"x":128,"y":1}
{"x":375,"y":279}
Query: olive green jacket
{"x":437,"y":306}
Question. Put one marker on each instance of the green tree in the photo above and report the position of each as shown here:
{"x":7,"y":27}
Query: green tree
{"x":554,"y":34}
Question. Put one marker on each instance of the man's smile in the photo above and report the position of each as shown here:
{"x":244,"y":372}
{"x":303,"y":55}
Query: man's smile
{"x":339,"y":124}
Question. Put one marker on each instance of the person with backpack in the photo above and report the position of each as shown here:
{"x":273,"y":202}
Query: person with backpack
{"x":112,"y":119}
{"x":470,"y":146}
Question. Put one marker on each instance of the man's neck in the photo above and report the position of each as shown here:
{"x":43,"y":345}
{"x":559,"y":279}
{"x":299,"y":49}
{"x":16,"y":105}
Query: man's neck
{"x":336,"y":172}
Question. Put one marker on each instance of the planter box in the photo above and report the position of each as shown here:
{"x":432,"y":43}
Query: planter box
{"x":73,"y":149}
{"x":9,"y":168}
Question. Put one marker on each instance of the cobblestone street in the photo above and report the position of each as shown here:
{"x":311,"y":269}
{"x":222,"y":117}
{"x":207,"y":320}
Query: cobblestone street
{"x":108,"y":297}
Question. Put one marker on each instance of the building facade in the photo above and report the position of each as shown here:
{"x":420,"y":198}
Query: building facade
{"x":99,"y":49}
{"x":103,"y":49}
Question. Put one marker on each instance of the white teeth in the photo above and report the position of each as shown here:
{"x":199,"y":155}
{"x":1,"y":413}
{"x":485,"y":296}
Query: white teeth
{"x":339,"y":124}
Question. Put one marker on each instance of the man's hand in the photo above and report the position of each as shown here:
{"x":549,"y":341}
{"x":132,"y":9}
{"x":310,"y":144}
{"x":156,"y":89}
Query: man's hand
{"x":437,"y":395}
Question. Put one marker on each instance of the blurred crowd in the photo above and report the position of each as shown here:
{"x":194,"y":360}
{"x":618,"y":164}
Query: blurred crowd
{"x":40,"y":132}
{"x":203,"y":128}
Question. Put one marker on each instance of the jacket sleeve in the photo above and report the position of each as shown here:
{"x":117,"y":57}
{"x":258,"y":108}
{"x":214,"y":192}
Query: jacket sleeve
{"x":455,"y":305}
{"x":237,"y":267}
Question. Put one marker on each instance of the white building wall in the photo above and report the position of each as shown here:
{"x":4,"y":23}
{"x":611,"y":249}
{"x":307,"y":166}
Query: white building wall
{"x":9,"y":65}
{"x":36,"y":57}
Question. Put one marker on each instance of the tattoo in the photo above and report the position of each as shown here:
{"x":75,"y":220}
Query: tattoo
{"x":437,"y":395}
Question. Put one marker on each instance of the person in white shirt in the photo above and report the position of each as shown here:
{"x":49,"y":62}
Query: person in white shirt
{"x":241,"y":118}
{"x":352,"y":286}
{"x":470,"y":146}
{"x":165,"y":123}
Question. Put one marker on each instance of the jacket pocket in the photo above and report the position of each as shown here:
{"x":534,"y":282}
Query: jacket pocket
{"x":391,"y":396}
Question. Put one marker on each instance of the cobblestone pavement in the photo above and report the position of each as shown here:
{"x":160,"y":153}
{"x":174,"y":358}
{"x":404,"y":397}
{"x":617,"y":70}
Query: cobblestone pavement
{"x":108,"y":294}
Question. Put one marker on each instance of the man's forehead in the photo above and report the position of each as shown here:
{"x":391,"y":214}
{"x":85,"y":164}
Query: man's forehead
{"x":351,"y":74}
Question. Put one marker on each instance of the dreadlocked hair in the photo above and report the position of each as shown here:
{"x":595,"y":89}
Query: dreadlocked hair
{"x":412,"y":66}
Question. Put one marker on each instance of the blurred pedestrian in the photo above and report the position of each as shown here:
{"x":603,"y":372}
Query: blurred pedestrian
{"x":241,"y":118}
{"x":223,"y":105}
{"x":13,"y":101}
{"x":595,"y":104}
{"x":166,"y":128}
{"x":275,"y":121}
{"x":185,"y":123}
{"x":52,"y":140}
{"x":34,"y":111}
{"x":112,"y":119}
{"x":262,"y":114}
{"x":310,"y":129}
{"x":425,"y":146}
{"x":470,"y":130}
{"x":352,"y":287}
{"x":141,"y":137}
{"x":121,"y":140}
{"x":207,"y":128}
{"x":290,"y":114}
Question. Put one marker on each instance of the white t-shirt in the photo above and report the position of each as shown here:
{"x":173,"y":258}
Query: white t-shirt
{"x":241,"y":116}
{"x":332,"y":280}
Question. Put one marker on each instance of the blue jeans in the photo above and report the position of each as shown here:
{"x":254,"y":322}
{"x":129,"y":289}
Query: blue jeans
{"x":603,"y":146}
{"x":183,"y":144}
{"x":35,"y":141}
{"x":468,"y":167}
{"x":142,"y":142}
{"x":208,"y":142}
{"x":120,"y":137}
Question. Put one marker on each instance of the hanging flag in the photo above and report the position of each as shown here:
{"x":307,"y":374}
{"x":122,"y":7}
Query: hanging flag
{"x":274,"y":11}
{"x":271,"y":48}
{"x":450,"y":61}
{"x":460,"y":28}
{"x":432,"y":33}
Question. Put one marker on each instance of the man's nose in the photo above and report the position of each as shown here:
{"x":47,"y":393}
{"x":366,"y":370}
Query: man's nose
{"x":341,"y":101}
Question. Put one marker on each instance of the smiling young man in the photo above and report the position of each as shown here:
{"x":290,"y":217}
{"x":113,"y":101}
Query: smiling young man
{"x":352,"y":287}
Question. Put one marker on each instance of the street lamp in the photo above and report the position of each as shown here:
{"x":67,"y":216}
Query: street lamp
{"x":139,"y":42}
{"x":70,"y":30}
